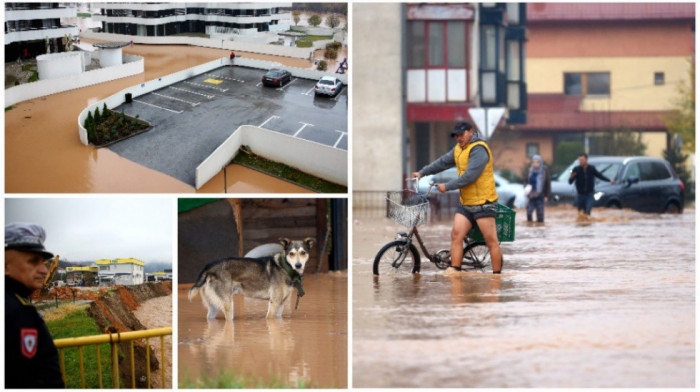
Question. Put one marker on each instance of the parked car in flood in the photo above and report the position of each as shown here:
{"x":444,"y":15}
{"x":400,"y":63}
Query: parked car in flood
{"x":644,"y":184}
{"x":276,"y":77}
{"x":328,"y":85}
{"x":509,"y":194}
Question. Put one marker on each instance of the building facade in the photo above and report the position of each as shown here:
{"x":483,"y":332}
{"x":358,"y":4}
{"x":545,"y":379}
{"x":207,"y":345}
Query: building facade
{"x":82,"y":276}
{"x":120,"y":271}
{"x":597,"y":68}
{"x":433,"y":64}
{"x":161,"y":19}
{"x":29,"y":25}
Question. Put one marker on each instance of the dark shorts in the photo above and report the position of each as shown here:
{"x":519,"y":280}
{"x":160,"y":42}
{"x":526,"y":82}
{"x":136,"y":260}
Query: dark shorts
{"x":486,"y":210}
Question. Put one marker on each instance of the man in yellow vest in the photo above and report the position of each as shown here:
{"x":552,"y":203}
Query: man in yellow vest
{"x":477,"y":193}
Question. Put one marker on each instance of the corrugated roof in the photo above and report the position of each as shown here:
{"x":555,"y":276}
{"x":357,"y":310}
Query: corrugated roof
{"x":559,"y":112}
{"x":554,"y":12}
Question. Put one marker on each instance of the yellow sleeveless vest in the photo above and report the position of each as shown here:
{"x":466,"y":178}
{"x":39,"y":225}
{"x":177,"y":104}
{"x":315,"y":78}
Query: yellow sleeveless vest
{"x":484,"y":188}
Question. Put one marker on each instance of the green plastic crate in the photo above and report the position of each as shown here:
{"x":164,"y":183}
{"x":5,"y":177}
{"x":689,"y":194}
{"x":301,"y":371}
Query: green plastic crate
{"x":505,"y":226}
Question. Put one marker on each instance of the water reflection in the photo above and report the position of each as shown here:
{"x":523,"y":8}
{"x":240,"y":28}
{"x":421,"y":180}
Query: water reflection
{"x":605,"y":304}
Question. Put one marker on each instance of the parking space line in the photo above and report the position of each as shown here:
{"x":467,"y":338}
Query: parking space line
{"x":226,"y":78}
{"x":338,"y":95}
{"x":192,"y":92}
{"x":340,"y":138}
{"x":266,"y":121}
{"x":156,"y":106}
{"x":223,"y":90}
{"x":285,"y":86}
{"x":259,"y":84}
{"x":310,"y":90}
{"x":177,"y":99}
{"x":302,"y":127}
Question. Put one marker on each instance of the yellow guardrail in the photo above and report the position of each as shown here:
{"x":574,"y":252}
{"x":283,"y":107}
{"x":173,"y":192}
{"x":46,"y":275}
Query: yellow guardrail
{"x":113,"y":339}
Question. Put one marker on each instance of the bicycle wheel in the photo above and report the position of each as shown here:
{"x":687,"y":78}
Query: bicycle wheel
{"x":396,"y":257}
{"x":476,"y":255}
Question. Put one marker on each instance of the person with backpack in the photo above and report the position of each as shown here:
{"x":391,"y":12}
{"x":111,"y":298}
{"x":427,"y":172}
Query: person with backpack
{"x":540,"y":185}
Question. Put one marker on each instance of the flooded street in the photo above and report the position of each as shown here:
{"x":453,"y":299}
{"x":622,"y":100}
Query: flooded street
{"x":606,"y":304}
{"x":308,"y":345}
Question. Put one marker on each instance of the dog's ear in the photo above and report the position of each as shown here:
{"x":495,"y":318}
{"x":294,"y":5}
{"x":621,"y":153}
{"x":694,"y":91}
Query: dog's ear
{"x":284,"y":242}
{"x":309,"y":242}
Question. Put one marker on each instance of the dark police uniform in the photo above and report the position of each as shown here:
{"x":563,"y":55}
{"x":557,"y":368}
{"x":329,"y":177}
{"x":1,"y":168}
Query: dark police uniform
{"x":31,"y":359}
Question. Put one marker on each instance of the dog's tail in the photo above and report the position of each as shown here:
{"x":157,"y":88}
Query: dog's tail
{"x":201,"y":280}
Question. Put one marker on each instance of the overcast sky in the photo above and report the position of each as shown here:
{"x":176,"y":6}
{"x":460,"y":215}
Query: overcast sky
{"x":88,"y":229}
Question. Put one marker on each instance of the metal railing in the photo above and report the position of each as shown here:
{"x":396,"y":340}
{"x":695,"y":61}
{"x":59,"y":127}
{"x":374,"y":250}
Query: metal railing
{"x":113,"y":339}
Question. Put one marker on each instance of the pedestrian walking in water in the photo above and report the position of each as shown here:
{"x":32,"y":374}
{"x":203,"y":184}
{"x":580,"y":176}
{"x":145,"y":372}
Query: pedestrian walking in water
{"x":539,"y":182}
{"x":585,"y":183}
{"x":31,"y":358}
{"x":478,"y":200}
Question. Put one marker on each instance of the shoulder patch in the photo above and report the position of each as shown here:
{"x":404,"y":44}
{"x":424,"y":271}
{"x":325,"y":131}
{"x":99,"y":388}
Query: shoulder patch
{"x":29,"y":340}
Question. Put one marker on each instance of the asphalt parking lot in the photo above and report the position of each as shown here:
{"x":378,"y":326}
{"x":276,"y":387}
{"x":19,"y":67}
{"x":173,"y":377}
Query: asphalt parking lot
{"x":193,"y":117}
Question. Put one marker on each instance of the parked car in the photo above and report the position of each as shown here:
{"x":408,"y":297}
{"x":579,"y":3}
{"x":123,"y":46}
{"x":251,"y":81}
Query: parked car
{"x":276,"y":77}
{"x":644,"y":184}
{"x":328,"y":85}
{"x":509,"y":194}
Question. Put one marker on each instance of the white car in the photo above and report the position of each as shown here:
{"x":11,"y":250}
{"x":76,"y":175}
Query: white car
{"x":510,"y":194}
{"x":328,"y":85}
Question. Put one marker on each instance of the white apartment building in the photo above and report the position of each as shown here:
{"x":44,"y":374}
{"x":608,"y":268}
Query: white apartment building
{"x":161,"y":19}
{"x":28,"y":25}
{"x":120,"y":271}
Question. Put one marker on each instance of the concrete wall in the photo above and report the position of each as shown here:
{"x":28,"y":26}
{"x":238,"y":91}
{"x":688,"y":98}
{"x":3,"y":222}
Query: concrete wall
{"x":133,"y":65}
{"x":59,"y":65}
{"x":377,"y":108}
{"x":275,"y":50}
{"x":298,"y":153}
{"x":144,"y":88}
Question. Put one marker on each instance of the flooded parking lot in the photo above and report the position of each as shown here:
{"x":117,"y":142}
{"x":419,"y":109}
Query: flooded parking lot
{"x":605,"y":304}
{"x":308,"y":346}
{"x":193,"y":117}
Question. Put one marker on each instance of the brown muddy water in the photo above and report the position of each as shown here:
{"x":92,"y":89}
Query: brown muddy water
{"x":43,"y":153}
{"x":605,"y":304}
{"x":309,"y":344}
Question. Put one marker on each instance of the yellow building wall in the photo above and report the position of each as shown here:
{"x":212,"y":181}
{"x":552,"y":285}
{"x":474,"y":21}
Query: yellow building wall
{"x":655,"y":142}
{"x":631,"y":80}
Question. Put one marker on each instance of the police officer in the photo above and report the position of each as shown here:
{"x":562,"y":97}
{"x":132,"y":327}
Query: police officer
{"x":31,"y":359}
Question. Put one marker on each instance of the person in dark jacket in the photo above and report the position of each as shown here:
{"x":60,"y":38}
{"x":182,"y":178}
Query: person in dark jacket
{"x":540,"y":184}
{"x":585,"y":183}
{"x":31,"y":358}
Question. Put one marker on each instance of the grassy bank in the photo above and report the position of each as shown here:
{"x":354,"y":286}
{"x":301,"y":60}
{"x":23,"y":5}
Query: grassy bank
{"x":226,"y":380}
{"x":288,"y":173}
{"x":73,"y":321}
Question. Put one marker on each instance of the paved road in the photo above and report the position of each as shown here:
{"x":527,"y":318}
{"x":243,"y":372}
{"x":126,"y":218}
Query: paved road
{"x":193,"y":117}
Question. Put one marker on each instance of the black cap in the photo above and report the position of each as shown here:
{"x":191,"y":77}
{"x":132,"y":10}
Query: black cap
{"x":461,"y":127}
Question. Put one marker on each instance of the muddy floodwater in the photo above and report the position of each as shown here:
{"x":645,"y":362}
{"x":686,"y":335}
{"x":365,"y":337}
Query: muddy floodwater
{"x":604,"y":304}
{"x":308,"y":345}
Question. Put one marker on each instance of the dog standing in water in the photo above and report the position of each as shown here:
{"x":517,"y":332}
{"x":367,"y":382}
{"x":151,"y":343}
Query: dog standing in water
{"x":272,"y":278}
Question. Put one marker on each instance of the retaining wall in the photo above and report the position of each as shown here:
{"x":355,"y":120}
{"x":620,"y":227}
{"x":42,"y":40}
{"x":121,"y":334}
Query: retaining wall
{"x":152,"y":85}
{"x":132,"y":65}
{"x":276,"y":50}
{"x":313,"y":158}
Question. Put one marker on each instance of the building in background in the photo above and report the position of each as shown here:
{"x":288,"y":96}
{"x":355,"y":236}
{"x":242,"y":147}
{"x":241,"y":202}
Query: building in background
{"x":435,"y":64}
{"x":160,"y":19}
{"x":120,"y":271}
{"x":29,"y":25}
{"x":82,"y":276}
{"x":596,"y":68}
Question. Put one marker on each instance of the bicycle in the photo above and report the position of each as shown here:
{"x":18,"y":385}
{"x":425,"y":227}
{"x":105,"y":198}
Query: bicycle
{"x":410,"y":209}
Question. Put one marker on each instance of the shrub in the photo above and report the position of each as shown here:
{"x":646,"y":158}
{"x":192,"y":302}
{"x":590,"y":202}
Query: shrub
{"x":98,"y":117}
{"x":304,"y":43}
{"x":88,"y":121}
{"x":105,"y":111}
{"x":314,"y":20}
{"x":331,"y":54}
{"x":334,"y":45}
{"x":322,"y":66}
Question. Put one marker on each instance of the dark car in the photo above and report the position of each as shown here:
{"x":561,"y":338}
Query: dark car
{"x":643,"y":184}
{"x":276,"y":77}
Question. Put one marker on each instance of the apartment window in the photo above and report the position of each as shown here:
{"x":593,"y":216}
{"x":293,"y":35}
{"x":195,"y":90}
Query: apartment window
{"x":437,"y":44}
{"x":591,"y":83}
{"x":659,"y":78}
{"x":532,"y":149}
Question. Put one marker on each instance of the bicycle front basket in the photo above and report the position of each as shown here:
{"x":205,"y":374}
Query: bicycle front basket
{"x":407,"y":208}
